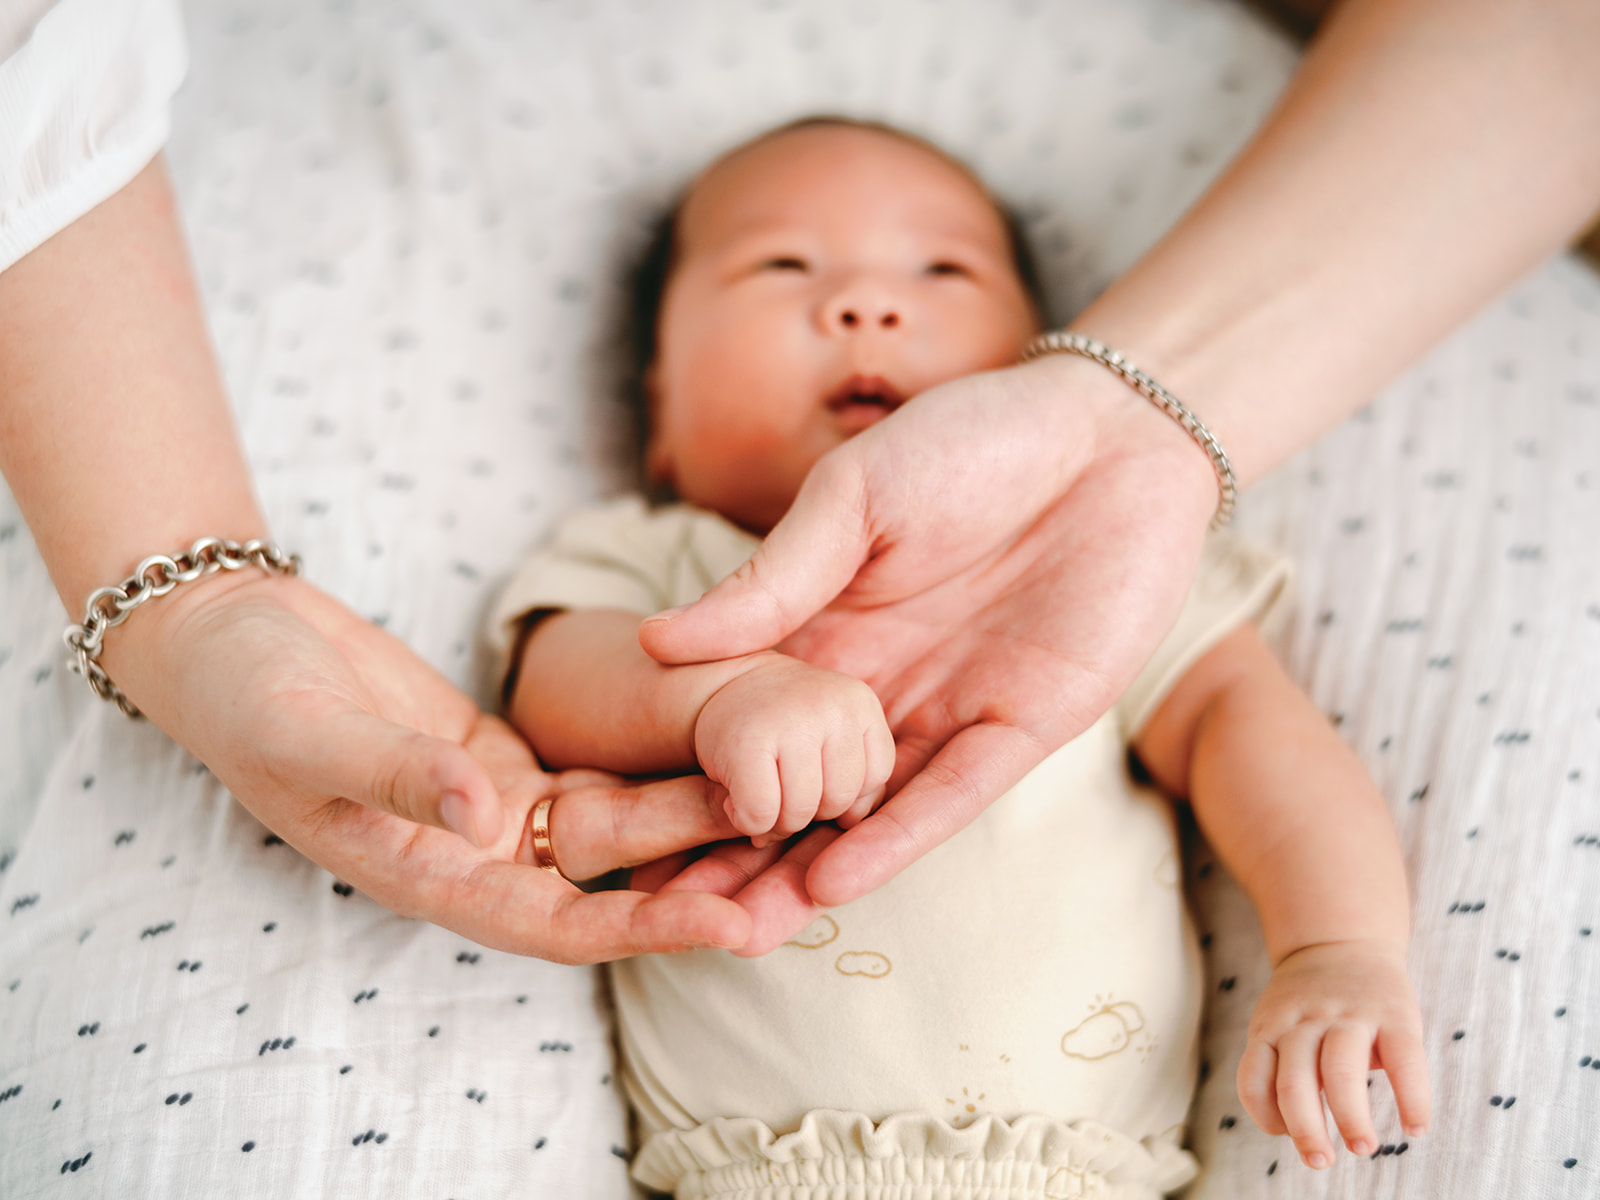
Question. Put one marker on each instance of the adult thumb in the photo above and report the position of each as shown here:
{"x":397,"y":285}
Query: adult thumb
{"x":810,"y":556}
{"x":426,"y":779}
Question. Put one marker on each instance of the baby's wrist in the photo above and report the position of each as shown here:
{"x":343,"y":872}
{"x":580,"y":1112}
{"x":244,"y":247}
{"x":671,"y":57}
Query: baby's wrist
{"x":731,"y":674}
{"x":1385,"y":946}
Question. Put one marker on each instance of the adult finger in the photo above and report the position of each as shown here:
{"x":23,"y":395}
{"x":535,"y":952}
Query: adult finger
{"x":1300,"y":1095}
{"x":1257,"y":1081}
{"x":1346,"y":1051}
{"x":528,"y":911}
{"x":577,"y":777}
{"x":431,"y":874}
{"x":972,"y":769}
{"x":1406,"y":1064}
{"x":810,"y":556}
{"x":355,"y":755}
{"x":600,"y":827}
{"x":657,"y":873}
{"x":777,"y":900}
{"x":726,"y":869}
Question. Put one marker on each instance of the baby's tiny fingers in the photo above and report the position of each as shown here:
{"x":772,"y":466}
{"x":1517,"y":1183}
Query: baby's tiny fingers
{"x":1299,"y":1096}
{"x":844,"y":761}
{"x":878,"y":748}
{"x":1258,"y":1092}
{"x":1346,"y":1050}
{"x":1406,"y":1064}
{"x":800,"y":773}
{"x":755,"y":793}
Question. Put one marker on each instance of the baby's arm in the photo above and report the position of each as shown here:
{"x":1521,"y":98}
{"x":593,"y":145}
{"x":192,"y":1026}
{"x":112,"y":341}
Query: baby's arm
{"x":1297,"y":821}
{"x":792,"y":743}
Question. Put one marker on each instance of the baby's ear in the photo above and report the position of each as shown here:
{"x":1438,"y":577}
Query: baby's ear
{"x":658,"y":462}
{"x":657,"y":458}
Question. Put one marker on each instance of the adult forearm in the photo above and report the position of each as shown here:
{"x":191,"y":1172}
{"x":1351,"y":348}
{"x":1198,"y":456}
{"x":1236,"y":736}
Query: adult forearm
{"x":115,"y":432}
{"x":1426,"y":154}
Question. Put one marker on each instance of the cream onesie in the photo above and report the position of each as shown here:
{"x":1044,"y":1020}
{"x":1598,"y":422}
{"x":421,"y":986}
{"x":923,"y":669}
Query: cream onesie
{"x":1016,"y":1014}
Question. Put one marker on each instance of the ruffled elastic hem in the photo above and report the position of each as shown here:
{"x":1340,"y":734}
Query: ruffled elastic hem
{"x":910,"y":1156}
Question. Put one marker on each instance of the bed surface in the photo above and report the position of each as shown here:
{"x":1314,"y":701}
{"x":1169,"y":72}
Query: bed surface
{"x":409,"y":221}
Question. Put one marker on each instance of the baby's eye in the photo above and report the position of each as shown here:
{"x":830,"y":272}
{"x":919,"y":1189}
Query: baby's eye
{"x":945,"y":267}
{"x":785,"y":262}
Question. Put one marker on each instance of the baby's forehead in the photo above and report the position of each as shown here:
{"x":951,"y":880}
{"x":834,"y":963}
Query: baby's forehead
{"x":777,"y":171}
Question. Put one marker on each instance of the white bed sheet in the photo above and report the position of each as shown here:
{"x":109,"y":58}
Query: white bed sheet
{"x":408,"y":220}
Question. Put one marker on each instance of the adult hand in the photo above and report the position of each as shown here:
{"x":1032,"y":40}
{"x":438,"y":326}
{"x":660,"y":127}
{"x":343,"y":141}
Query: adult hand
{"x":997,"y":559}
{"x":351,"y":748}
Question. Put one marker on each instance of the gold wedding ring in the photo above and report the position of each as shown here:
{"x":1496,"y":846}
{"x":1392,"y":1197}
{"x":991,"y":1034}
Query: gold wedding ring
{"x":539,"y":826}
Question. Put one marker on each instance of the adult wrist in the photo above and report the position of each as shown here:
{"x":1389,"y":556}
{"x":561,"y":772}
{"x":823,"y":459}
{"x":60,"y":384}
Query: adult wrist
{"x":1083,"y":346}
{"x":148,"y":648}
{"x":1126,"y":433}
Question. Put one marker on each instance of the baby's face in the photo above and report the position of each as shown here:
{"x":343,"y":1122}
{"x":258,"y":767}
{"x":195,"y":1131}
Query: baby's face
{"x":823,"y":278}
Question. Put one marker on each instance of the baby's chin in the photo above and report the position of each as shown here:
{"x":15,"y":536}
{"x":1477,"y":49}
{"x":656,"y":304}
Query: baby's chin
{"x":757,"y":521}
{"x":754,"y":512}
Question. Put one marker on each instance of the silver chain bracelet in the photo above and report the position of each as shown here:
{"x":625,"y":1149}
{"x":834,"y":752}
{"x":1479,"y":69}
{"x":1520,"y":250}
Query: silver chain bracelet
{"x":1061,"y":342}
{"x":157,"y":575}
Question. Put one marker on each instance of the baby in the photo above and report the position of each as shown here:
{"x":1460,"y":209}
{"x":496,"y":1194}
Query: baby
{"x":1018,"y":1012}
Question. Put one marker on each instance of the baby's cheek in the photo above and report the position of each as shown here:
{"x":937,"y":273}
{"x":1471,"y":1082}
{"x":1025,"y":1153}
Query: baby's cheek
{"x":990,"y":334}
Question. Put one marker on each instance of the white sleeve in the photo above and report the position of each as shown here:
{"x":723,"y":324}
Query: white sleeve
{"x":85,"y":92}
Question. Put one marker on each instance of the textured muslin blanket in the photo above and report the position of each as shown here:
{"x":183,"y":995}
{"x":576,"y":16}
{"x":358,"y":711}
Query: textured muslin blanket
{"x":409,"y":218}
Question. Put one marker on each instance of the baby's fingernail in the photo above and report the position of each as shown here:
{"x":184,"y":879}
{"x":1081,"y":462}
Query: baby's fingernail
{"x":666,"y":614}
{"x":1316,"y":1160}
{"x":456,"y":811}
{"x":1360,"y":1146}
{"x":1416,"y":1130}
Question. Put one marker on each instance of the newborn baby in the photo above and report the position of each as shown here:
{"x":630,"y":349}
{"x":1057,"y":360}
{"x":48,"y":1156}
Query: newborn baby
{"x":1017,"y":1013}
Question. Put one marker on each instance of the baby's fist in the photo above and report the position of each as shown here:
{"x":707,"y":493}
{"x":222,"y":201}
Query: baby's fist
{"x":793,"y":744}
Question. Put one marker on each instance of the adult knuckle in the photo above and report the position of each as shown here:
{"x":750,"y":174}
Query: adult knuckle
{"x":388,"y":786}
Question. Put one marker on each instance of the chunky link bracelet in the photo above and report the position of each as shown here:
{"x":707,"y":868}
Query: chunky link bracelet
{"x":1061,"y":342}
{"x":157,"y":575}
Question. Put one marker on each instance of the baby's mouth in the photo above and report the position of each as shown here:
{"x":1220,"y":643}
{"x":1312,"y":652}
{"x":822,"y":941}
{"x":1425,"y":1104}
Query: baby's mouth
{"x":864,"y":400}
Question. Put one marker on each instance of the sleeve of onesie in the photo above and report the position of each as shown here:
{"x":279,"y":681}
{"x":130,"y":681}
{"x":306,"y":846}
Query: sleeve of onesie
{"x":1238,"y":581}
{"x":85,"y":97}
{"x":622,"y":555}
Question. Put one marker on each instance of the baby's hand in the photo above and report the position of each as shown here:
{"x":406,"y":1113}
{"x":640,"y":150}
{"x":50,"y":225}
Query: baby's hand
{"x":1333,"y":1012}
{"x":794,"y":743}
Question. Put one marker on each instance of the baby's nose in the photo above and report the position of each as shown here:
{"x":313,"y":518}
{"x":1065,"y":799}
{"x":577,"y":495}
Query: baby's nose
{"x":856,"y":315}
{"x":863,"y":305}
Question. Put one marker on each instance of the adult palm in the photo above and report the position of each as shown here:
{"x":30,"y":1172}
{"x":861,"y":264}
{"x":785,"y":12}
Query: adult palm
{"x":347,"y":745}
{"x":997,"y":559}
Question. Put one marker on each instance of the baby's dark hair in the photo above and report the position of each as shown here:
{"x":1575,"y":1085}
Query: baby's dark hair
{"x":647,"y":281}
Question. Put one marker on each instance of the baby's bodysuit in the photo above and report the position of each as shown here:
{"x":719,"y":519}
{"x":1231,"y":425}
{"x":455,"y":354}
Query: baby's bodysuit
{"x":1016,"y":1014}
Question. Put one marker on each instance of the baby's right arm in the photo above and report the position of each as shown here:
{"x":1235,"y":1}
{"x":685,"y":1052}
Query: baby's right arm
{"x":791,"y":743}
